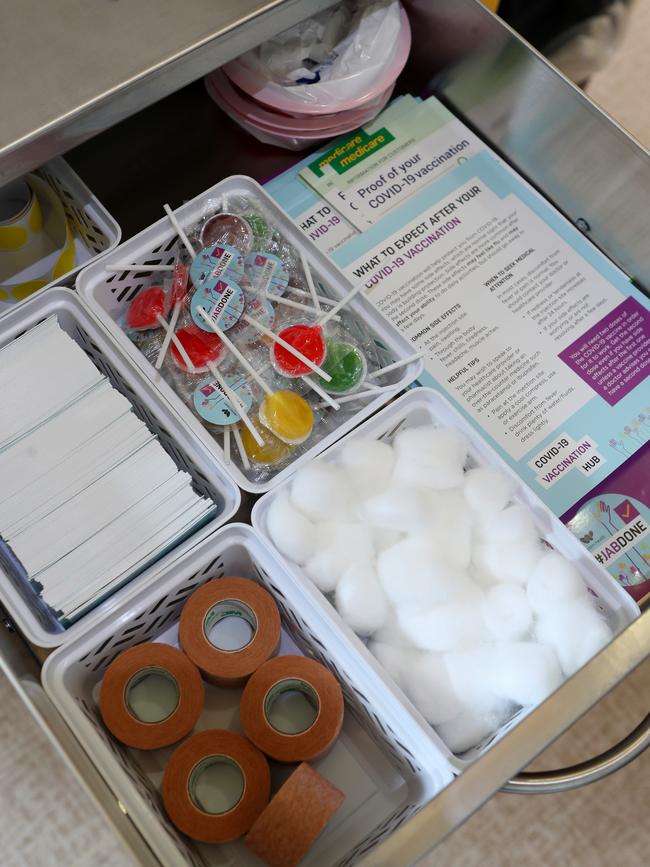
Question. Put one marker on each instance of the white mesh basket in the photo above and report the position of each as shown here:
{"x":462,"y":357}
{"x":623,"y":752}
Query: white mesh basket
{"x":107,"y":294}
{"x":378,"y":761}
{"x":209,"y":479}
{"x":426,"y":406}
{"x":94,"y":230}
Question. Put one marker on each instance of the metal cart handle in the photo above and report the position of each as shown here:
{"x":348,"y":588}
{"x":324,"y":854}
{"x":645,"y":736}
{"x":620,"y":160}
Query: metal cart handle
{"x":565,"y":779}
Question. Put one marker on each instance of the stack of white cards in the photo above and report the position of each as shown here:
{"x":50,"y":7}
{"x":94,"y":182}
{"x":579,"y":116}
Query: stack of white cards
{"x":88,"y":496}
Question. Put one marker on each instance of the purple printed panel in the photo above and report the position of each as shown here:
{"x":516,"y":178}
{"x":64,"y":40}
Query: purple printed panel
{"x":614,"y":355}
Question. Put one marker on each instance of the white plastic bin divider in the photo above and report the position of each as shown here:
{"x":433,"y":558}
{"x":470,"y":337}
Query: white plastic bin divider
{"x":108,"y":294}
{"x":378,"y":761}
{"x":426,"y":406}
{"x":209,"y":480}
{"x":95,"y":231}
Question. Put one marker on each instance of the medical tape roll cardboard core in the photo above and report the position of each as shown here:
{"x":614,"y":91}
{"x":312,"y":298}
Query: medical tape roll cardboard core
{"x":179,"y":789}
{"x":138,"y":661}
{"x":288,"y":828}
{"x":229,"y":597}
{"x":285,"y":673}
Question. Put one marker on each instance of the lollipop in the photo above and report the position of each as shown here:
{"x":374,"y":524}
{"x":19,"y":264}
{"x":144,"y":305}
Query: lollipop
{"x":146,"y":309}
{"x":200,"y":347}
{"x":308,"y":340}
{"x":179,"y":292}
{"x":272,"y":452}
{"x":228,"y":229}
{"x":222,"y":300}
{"x":290,"y":418}
{"x":214,"y":262}
{"x":212,"y":404}
{"x":261,"y":230}
{"x":346,"y":364}
{"x":287,"y":415}
{"x":266,"y":273}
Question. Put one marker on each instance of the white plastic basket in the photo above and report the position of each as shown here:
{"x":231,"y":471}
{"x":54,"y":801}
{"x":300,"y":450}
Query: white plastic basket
{"x":427,"y":406}
{"x":378,"y":761}
{"x":209,"y":480}
{"x":108,"y":294}
{"x":94,"y":230}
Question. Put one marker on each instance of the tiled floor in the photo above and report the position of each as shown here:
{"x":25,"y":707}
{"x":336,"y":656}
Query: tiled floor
{"x":46,"y":820}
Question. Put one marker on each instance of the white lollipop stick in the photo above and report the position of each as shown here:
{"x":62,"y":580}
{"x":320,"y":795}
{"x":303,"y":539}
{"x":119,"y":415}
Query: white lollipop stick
{"x":135,"y":267}
{"x":226,"y":444}
{"x":235,"y":403}
{"x":295,"y":304}
{"x":240,"y":447}
{"x":328,"y":399}
{"x":231,"y":346}
{"x":310,"y":282}
{"x":346,"y":298}
{"x":394,"y":366}
{"x":348,"y":398}
{"x":295,"y":352}
{"x":169,"y":336}
{"x":328,"y":302}
{"x":179,"y":231}
{"x":174,"y":339}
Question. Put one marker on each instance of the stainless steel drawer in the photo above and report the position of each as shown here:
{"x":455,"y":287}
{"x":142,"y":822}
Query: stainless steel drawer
{"x":581,"y":160}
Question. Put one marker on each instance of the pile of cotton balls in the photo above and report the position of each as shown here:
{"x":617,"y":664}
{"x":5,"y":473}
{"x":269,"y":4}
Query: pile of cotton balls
{"x":465,"y":607}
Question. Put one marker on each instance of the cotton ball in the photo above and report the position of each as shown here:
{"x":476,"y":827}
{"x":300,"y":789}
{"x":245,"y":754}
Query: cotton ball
{"x":474,"y":725}
{"x":291,"y":533}
{"x":468,"y":672}
{"x":453,"y":626}
{"x":368,"y":464}
{"x":512,"y":562}
{"x":392,"y":634}
{"x":576,"y":632}
{"x":360,"y":599}
{"x":415,"y":572}
{"x":321,"y":491}
{"x":337,"y":545}
{"x":487,"y":491}
{"x":385,"y":538}
{"x":553,"y":581}
{"x":506,"y":611}
{"x":397,"y":508}
{"x":395,"y":660}
{"x":524,"y":672}
{"x":430,"y":456}
{"x":451,"y":525}
{"x":426,"y":682}
{"x":513,"y":524}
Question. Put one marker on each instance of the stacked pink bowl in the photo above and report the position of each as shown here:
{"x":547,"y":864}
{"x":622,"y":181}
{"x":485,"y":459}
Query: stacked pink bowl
{"x":322,"y":78}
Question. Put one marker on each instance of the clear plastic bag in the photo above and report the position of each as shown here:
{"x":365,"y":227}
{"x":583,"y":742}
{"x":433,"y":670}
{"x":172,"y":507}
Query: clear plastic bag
{"x":340,"y":56}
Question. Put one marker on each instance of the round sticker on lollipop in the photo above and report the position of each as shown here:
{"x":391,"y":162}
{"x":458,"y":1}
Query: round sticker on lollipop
{"x":212,"y":404}
{"x":214,"y":262}
{"x":224,"y":303}
{"x":266,"y":273}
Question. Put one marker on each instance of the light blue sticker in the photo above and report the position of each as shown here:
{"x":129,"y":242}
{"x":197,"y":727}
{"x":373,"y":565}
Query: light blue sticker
{"x":212,"y":404}
{"x":215,"y":261}
{"x":266,"y":273}
{"x":223,"y":302}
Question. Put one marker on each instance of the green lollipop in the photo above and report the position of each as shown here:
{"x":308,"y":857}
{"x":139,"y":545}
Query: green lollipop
{"x":347,"y":366}
{"x":260,"y":228}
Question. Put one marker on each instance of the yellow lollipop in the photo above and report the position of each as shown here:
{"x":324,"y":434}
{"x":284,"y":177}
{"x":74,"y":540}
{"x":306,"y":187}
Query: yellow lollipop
{"x":273,"y":451}
{"x":287,"y":415}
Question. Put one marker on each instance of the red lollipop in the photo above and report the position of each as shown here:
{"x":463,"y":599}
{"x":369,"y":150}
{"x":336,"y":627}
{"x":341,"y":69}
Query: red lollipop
{"x":180,"y":279}
{"x":307,"y":339}
{"x":146,"y":308}
{"x":201,"y":346}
